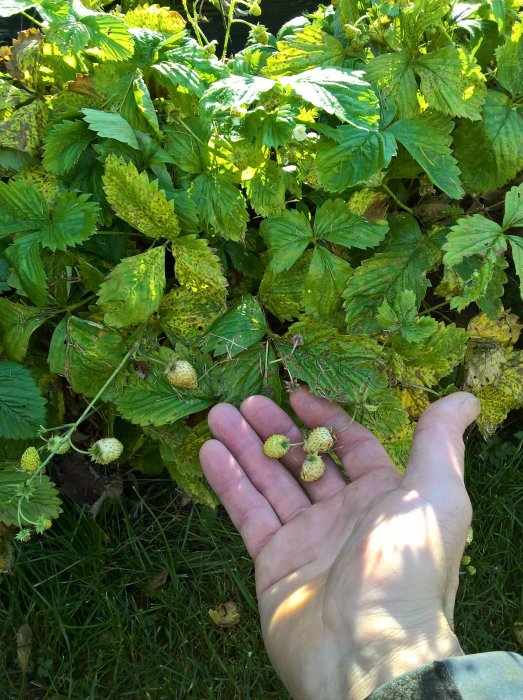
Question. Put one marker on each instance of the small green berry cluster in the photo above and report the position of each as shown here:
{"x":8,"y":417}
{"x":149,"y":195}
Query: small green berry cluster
{"x":319,"y":440}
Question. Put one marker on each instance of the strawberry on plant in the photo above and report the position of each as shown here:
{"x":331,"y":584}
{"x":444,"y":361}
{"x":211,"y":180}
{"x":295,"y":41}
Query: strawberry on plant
{"x":183,"y":375}
{"x":276,"y":446}
{"x":30,"y":460}
{"x":319,"y":440}
{"x":312,"y":469}
{"x":106,"y":450}
{"x":58,"y":445}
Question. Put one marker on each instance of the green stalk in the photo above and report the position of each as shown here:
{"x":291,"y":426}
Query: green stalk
{"x":90,"y":405}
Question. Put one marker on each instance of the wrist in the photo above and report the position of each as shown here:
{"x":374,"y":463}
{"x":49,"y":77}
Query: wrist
{"x":395,"y":650}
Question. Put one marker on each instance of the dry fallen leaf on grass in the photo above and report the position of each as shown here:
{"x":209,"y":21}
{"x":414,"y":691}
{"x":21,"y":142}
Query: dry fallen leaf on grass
{"x":24,"y":638}
{"x":225,"y":615}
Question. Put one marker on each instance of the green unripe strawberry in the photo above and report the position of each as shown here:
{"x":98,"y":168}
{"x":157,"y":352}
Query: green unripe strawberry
{"x":30,"y":460}
{"x":106,"y":450}
{"x":319,"y":440}
{"x":58,"y":445}
{"x":276,"y":446}
{"x":183,"y":375}
{"x":312,"y":469}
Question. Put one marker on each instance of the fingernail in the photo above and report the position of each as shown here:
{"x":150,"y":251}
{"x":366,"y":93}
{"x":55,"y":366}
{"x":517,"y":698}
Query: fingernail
{"x":472,"y":404}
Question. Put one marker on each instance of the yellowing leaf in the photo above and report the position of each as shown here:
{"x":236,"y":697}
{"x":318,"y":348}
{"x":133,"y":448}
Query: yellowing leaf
{"x":483,"y":366}
{"x":414,"y":401}
{"x":495,"y":407}
{"x":186,"y":315}
{"x":505,"y":330}
{"x":156,"y":18}
{"x":133,"y":290}
{"x":139,"y":202}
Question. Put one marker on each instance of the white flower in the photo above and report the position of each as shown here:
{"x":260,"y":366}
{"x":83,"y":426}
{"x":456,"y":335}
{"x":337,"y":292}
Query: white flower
{"x":299,"y":132}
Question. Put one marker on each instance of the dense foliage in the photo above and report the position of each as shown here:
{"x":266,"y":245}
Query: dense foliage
{"x":338,"y":205}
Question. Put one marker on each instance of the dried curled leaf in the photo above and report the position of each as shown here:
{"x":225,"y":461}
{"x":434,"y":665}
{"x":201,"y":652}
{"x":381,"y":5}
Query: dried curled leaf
{"x":225,"y":615}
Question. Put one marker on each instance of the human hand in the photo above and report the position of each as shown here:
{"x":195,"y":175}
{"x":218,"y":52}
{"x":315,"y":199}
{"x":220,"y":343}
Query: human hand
{"x":356,"y":582}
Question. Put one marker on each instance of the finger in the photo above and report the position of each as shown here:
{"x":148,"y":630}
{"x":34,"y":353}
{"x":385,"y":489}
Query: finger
{"x":438,"y":451}
{"x":359,"y":450}
{"x":250,"y":512}
{"x":267,"y":475}
{"x":267,"y":418}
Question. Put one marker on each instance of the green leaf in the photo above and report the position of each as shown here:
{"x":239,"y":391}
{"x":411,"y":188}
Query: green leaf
{"x":109,"y":34}
{"x":41,"y":499}
{"x":4,"y":274}
{"x":334,"y":222}
{"x":516,"y":246}
{"x":189,"y":151}
{"x":513,"y":207}
{"x":452,"y":82}
{"x":308,"y":47}
{"x":428,"y":142}
{"x":64,"y":144}
{"x":253,"y":371}
{"x":72,"y":220}
{"x":490,"y":152}
{"x":198,"y":268}
{"x":267,"y":188}
{"x":22,"y":207}
{"x":402,"y":263}
{"x":339,"y":92}
{"x":18,"y":323}
{"x":324,"y":285}
{"x":276,"y":127}
{"x":335,"y":366}
{"x":288,"y":236}
{"x":171,"y":75}
{"x":139,"y":202}
{"x":22,"y":406}
{"x":92,"y":353}
{"x":281,"y":293}
{"x":356,"y":155}
{"x":239,"y":328}
{"x":145,"y":104}
{"x":402,"y":317}
{"x":179,"y":449}
{"x":394,"y":74}
{"x":110,"y":125}
{"x":472,"y":235}
{"x":24,"y":256}
{"x":133,"y":290}
{"x":510,"y":61}
{"x":231,"y":93}
{"x":220,"y":205}
{"x":151,"y":400}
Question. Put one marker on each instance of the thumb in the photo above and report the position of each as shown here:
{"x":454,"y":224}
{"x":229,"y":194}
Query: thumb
{"x":438,"y":452}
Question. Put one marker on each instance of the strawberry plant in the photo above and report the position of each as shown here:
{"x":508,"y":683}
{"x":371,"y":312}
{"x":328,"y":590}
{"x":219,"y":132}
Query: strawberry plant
{"x":338,"y":205}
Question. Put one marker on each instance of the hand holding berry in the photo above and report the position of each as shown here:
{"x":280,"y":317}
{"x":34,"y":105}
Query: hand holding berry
{"x":355,"y":581}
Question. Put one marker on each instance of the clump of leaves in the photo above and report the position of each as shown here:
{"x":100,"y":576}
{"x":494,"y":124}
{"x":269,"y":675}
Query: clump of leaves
{"x":338,"y":205}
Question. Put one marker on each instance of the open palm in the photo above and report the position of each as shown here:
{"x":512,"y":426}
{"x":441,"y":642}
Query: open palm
{"x":355,"y":581}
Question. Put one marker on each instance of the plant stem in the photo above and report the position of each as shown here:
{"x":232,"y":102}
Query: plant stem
{"x":398,"y":201}
{"x":32,"y":19}
{"x":90,"y":405}
{"x":230,"y":16}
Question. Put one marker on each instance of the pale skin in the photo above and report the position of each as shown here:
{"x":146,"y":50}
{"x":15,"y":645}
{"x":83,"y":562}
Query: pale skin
{"x":356,"y":582}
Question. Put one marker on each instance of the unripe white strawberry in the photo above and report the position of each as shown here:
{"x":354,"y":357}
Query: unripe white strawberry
{"x":312,"y":469}
{"x":183,"y":375}
{"x":276,"y":446}
{"x":106,"y":450}
{"x":58,"y":445}
{"x":30,"y":460}
{"x":319,"y":440}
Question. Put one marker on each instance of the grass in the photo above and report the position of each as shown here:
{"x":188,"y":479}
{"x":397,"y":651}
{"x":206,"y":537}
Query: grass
{"x":100,"y":631}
